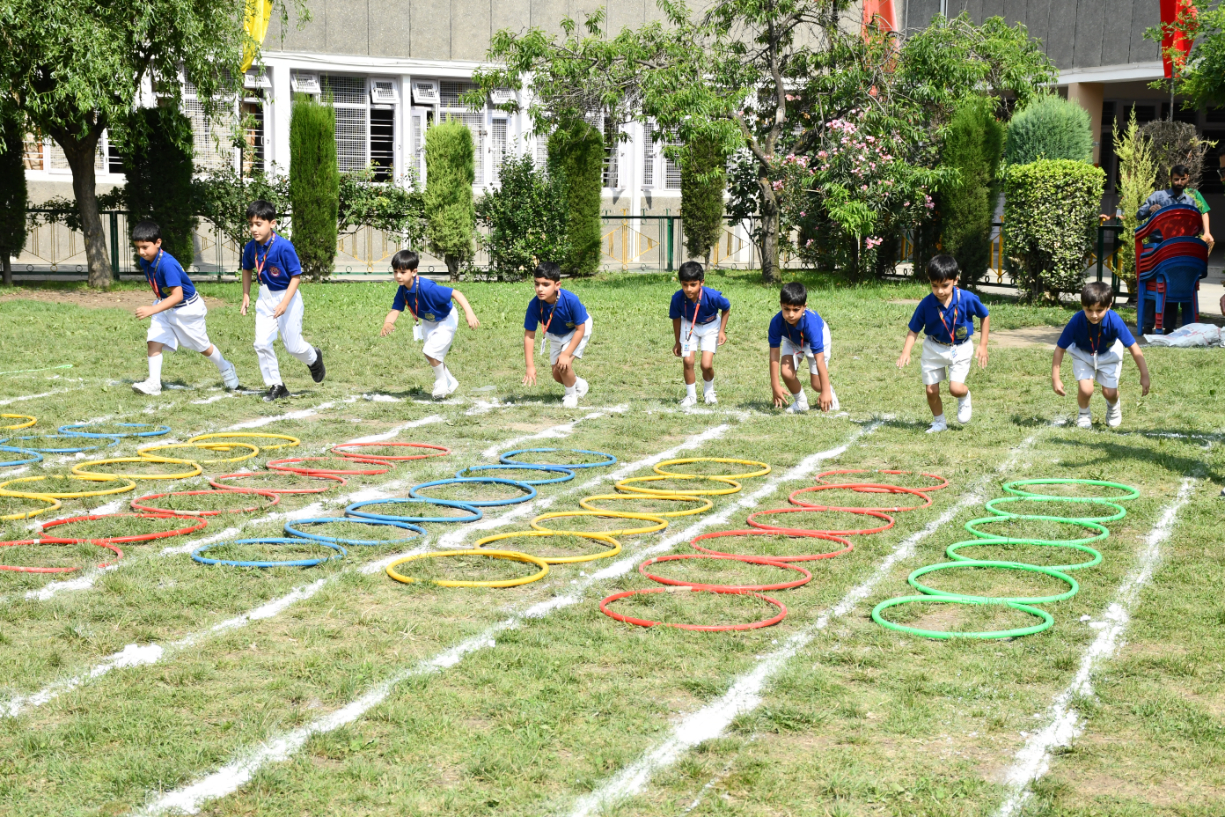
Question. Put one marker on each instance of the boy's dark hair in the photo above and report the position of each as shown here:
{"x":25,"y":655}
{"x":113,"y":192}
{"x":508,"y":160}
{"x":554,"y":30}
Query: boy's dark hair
{"x":691,"y":271}
{"x":405,"y":259}
{"x":943,"y":268}
{"x":263,"y":210}
{"x":547,"y":269}
{"x":1097,"y":293}
{"x":793,"y":294}
{"x":1179,"y":170}
{"x":146,"y":231}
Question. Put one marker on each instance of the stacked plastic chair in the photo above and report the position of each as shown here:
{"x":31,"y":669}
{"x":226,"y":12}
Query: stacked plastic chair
{"x":1169,"y":269}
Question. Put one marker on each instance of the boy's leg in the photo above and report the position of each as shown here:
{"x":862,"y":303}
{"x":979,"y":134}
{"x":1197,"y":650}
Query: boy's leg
{"x":1114,"y":411}
{"x":933,"y":400}
{"x":290,"y":327}
{"x":154,"y":350}
{"x":786,"y":370}
{"x":438,"y":337}
{"x":265,"y":334}
{"x":708,"y":376}
{"x":691,"y":387}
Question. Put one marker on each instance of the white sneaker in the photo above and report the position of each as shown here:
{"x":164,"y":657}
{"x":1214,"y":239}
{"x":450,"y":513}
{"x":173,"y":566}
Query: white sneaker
{"x":964,"y":410}
{"x":799,"y":405}
{"x":148,"y":387}
{"x":1114,"y":414}
{"x":689,"y":401}
{"x":938,"y":426}
{"x":1084,"y":420}
{"x":570,"y":400}
{"x":452,"y":385}
{"x":581,"y":387}
{"x":229,"y":377}
{"x":440,"y":390}
{"x":711,"y":398}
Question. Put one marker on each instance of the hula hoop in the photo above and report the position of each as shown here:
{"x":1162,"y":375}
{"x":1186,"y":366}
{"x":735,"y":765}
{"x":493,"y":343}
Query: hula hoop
{"x":217,"y":483}
{"x":137,"y":506}
{"x":16,"y":569}
{"x":625,"y":485}
{"x":705,"y":504}
{"x":511,"y":555}
{"x":806,"y":575}
{"x":1047,"y":619}
{"x":336,"y":540}
{"x":803,"y":557}
{"x":74,"y":430}
{"x":608,"y":459}
{"x":76,"y":450}
{"x":146,"y":451}
{"x":79,"y":469}
{"x":953,"y":551}
{"x":861,"y":487}
{"x":485,"y":503}
{"x":5,"y":491}
{"x":283,"y":465}
{"x":1073,"y":587}
{"x":560,"y":560}
{"x":1119,"y":513}
{"x":204,"y":560}
{"x":940,"y":485}
{"x":55,"y":505}
{"x":355,"y":510}
{"x":26,"y":419}
{"x":1129,"y":492}
{"x":198,"y":524}
{"x":752,"y":520}
{"x":290,"y":442}
{"x":441,"y":449}
{"x":658,"y":523}
{"x":761,"y":468}
{"x":33,"y":458}
{"x":566,"y":473}
{"x":705,"y":628}
{"x":1102,"y":531}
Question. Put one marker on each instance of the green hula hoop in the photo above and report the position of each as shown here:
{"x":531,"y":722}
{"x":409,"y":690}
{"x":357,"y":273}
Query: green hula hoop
{"x":1129,"y":492}
{"x":1047,"y":620}
{"x":952,"y":552}
{"x":1073,"y":587}
{"x":1118,"y":514}
{"x":1102,"y":530}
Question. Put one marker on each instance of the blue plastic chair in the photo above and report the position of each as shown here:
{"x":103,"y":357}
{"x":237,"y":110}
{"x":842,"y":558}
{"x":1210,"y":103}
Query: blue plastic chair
{"x":1174,"y":280}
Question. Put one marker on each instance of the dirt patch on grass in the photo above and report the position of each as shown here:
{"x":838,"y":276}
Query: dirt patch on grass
{"x":126,"y":299}
{"x":1025,"y":337}
{"x":905,"y":301}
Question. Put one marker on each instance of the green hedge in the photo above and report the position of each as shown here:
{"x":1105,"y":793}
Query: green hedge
{"x":526,"y":215}
{"x":314,"y":185}
{"x":1051,"y":128}
{"x":703,"y":183}
{"x":450,"y":172}
{"x":157,"y":155}
{"x":973,"y":147}
{"x":576,"y":151}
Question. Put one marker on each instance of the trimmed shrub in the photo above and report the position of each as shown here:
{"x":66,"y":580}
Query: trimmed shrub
{"x":157,"y":155}
{"x":13,"y":194}
{"x":1175,"y":143}
{"x":1050,"y":216}
{"x":1137,"y":181}
{"x":973,"y":147}
{"x":314,"y":185}
{"x":526,"y":216}
{"x":1050,"y":128}
{"x":576,"y":151}
{"x":703,"y":183}
{"x":450,"y":173}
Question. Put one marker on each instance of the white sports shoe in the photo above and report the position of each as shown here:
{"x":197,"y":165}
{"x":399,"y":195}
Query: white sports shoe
{"x":440,"y":390}
{"x":1084,"y":420}
{"x":1114,"y":414}
{"x":689,"y":401}
{"x":148,"y":387}
{"x":964,"y":410}
{"x":229,"y":377}
{"x":581,"y":387}
{"x":938,"y":426}
{"x":711,"y":398}
{"x":570,"y":400}
{"x":452,"y":385}
{"x":799,"y":405}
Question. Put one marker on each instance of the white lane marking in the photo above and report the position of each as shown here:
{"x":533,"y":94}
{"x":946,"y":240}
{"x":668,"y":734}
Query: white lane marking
{"x":51,"y":393}
{"x":260,"y":422}
{"x":553,"y":431}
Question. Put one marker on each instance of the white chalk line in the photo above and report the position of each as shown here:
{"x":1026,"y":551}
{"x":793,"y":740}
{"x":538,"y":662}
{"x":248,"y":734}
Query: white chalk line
{"x":1064,"y":723}
{"x":51,"y":393}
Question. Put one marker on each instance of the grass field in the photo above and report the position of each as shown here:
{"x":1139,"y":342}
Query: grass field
{"x":160,"y":685}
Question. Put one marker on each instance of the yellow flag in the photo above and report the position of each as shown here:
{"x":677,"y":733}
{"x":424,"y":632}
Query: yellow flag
{"x":255,"y":22}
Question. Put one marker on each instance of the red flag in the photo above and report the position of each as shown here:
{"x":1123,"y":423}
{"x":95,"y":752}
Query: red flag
{"x":880,"y":13}
{"x":1175,"y":44}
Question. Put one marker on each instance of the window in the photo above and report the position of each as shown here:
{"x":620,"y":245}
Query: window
{"x":252,"y":112}
{"x":211,"y":139}
{"x":383,"y":143}
{"x":542,"y":150}
{"x":648,"y":156}
{"x":611,"y":146}
{"x":672,"y":171}
{"x":349,"y":100}
{"x":450,"y":93}
{"x":498,"y":132}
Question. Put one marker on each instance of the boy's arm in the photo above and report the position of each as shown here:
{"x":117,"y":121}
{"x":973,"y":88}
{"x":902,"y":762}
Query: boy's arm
{"x":290,"y":291}
{"x":911,"y":337}
{"x":826,"y":400}
{"x":981,"y":354}
{"x":459,"y":298}
{"x":780,"y":395}
{"x":246,"y":291}
{"x":1056,"y":365}
{"x":676,"y":335}
{"x":727,"y":313}
{"x":175,"y":297}
{"x":529,"y":349}
{"x":1142,"y":365}
{"x":389,"y":323}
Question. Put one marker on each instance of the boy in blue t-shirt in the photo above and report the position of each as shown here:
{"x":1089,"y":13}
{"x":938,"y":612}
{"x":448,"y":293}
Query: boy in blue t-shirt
{"x":434,"y":321}
{"x":177,"y":314}
{"x":279,"y":309}
{"x":947,"y":318}
{"x":795,"y":333}
{"x":567,"y":327}
{"x":1096,"y":337}
{"x":697,"y":327}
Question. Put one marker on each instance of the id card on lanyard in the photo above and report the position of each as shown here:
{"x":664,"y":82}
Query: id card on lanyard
{"x":418,"y":334}
{"x":801,"y":354}
{"x":956,"y":308}
{"x":544,"y":334}
{"x":152,"y":276}
{"x":687,"y":344}
{"x":259,"y":265}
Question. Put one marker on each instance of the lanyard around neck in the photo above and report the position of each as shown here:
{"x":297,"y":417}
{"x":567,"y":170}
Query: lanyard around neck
{"x":152,"y":276}
{"x":259,"y":265}
{"x":957,"y":305}
{"x":696,"y":309}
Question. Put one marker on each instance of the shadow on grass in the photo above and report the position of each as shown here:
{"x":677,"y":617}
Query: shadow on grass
{"x":1108,"y":455}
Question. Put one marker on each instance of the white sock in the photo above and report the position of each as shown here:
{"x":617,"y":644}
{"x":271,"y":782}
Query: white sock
{"x":218,"y":359}
{"x":447,"y":371}
{"x":691,"y":389}
{"x":572,"y":389}
{"x":314,"y":357}
{"x":939,"y":420}
{"x":440,"y":373}
{"x":961,"y":400}
{"x":708,"y":386}
{"x":1108,"y":403}
{"x":800,"y":397}
{"x":1086,"y":411}
{"x":155,"y":368}
{"x":579,"y":383}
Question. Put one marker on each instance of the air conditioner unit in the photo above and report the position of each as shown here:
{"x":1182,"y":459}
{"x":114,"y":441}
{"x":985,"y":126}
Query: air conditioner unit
{"x":383,"y":92}
{"x":425,"y":92}
{"x":500,"y":96}
{"x":305,"y":83}
{"x":255,"y":80}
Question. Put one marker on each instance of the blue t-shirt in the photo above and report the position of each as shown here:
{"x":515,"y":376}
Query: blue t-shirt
{"x":425,"y":299}
{"x":808,"y":331}
{"x":709,"y":305}
{"x":276,"y":262}
{"x":958,"y":317}
{"x":561,"y":318}
{"x":1095,"y":339}
{"x":166,"y":273}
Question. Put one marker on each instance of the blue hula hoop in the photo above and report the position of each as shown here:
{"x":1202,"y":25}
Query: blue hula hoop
{"x":609,"y":459}
{"x":111,"y":441}
{"x":355,"y":510}
{"x":73,"y":431}
{"x":566,"y":473}
{"x":484,"y":503}
{"x":204,"y":560}
{"x":336,"y":540}
{"x":36,"y":457}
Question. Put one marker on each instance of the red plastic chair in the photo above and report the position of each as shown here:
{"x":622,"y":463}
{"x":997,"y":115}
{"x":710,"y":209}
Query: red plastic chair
{"x":1168,"y":270}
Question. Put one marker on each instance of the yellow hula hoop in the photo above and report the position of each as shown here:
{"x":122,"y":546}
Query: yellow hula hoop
{"x":624,"y":485}
{"x":55,"y":506}
{"x":658,"y":522}
{"x":290,"y":442}
{"x":18,"y":426}
{"x":5,"y":491}
{"x":560,"y":560}
{"x":704,"y":502}
{"x":512,"y":555}
{"x":144,"y":453}
{"x":762,"y":468}
{"x":79,"y":468}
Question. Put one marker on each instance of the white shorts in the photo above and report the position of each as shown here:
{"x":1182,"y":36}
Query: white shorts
{"x":704,"y":337}
{"x":786,"y":347}
{"x":439,"y":335}
{"x":183,"y":326}
{"x":557,"y":345}
{"x":939,"y":361}
{"x":1104,"y":367}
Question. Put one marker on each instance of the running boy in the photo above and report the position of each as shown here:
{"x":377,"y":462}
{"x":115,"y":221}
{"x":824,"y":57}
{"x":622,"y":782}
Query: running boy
{"x":567,"y":327}
{"x":693,"y":312}
{"x":947,"y":318}
{"x":1096,"y":337}
{"x":279,"y":308}
{"x":434,"y":321}
{"x":795,"y":333}
{"x":177,"y":314}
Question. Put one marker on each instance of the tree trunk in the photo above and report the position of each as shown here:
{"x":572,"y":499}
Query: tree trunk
{"x":769,"y":233}
{"x":80,"y":150}
{"x":452,"y":266}
{"x":7,"y":263}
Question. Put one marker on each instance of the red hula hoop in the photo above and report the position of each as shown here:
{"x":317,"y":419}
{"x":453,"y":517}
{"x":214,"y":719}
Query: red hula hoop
{"x":797,"y":534}
{"x":216,"y":483}
{"x":136,"y":506}
{"x":862,"y":532}
{"x":197,"y":524}
{"x":15,"y":569}
{"x":942,"y":481}
{"x":863,"y":487}
{"x":441,"y":449}
{"x":727,"y":588}
{"x":705,"y":628}
{"x":282,"y":465}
